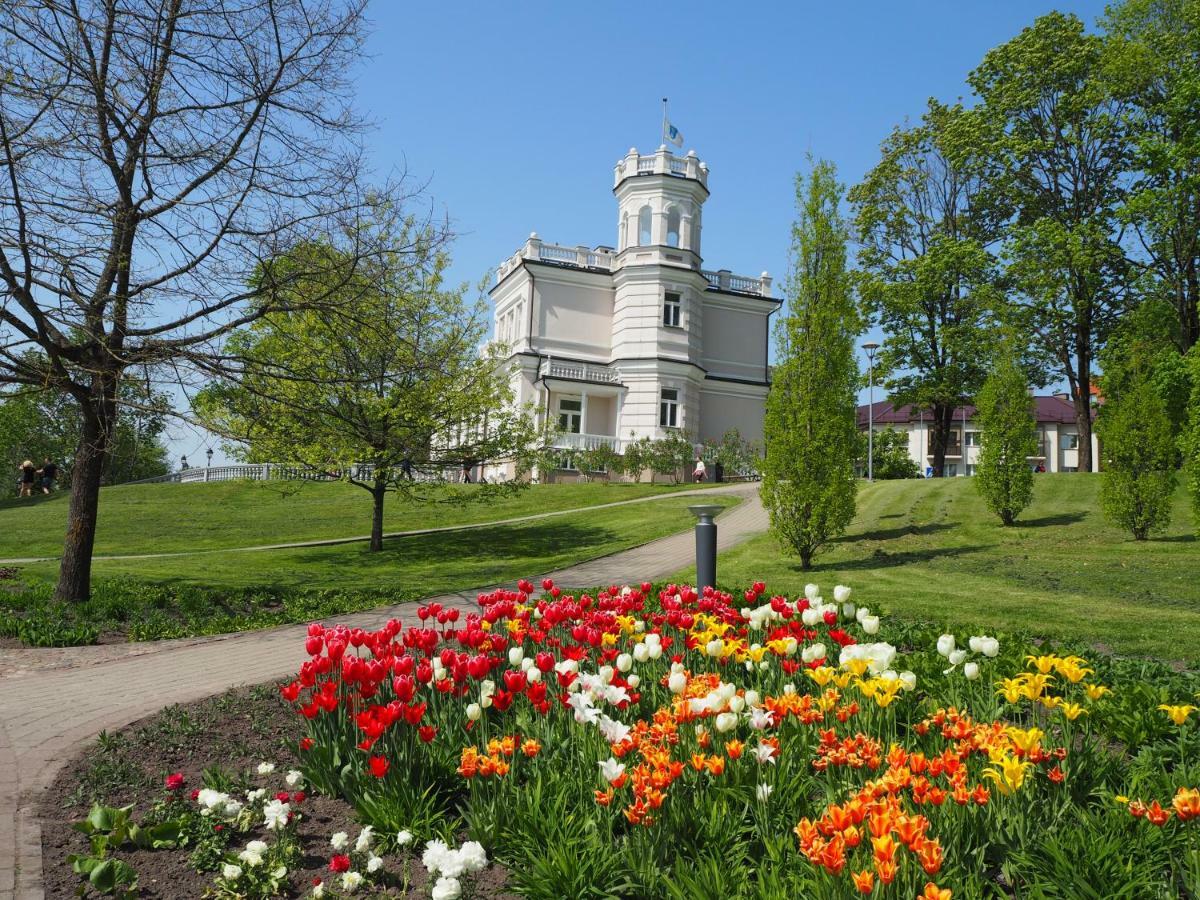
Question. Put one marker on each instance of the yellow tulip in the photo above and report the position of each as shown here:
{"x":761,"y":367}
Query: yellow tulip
{"x":1051,"y":702}
{"x":1009,"y":776}
{"x":1096,"y":691}
{"x":1072,"y":710}
{"x":822,"y":675}
{"x":1023,"y":739}
{"x":1044,"y":664}
{"x":1036,"y":684}
{"x":1011,"y":689}
{"x":1177,"y":714}
{"x":857,"y":666}
{"x":842,"y":679}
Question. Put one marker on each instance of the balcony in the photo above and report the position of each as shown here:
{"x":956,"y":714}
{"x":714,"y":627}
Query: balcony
{"x":662,"y":162}
{"x":604,"y":259}
{"x":579,"y":372}
{"x":569,"y":441}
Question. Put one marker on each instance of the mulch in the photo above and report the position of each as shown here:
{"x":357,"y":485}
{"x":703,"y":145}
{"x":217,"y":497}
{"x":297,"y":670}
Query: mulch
{"x":236,"y":731}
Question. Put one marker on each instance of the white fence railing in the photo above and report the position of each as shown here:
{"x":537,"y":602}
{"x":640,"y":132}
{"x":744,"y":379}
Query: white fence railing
{"x":282,"y":472}
{"x":569,"y":441}
{"x":579,"y":372}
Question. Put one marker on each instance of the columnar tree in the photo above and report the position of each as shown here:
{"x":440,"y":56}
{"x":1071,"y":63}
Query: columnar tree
{"x":1153,"y":55}
{"x":387,"y":390}
{"x":1189,"y":440}
{"x":926,"y":232}
{"x":810,"y":429}
{"x":152,"y":154}
{"x":1062,"y":148}
{"x":1139,"y":458}
{"x":1003,"y":475}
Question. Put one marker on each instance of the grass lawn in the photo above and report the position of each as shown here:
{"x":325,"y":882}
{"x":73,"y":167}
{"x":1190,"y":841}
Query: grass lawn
{"x":930,"y":550}
{"x":158,"y":518}
{"x":424,"y":564}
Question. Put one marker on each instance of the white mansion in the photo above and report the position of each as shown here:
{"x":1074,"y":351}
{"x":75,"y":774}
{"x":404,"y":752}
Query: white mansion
{"x":640,"y":340}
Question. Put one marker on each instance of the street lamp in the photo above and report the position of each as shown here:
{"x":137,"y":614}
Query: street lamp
{"x":871,"y":348}
{"x":706,"y":544}
{"x":183,"y":462}
{"x":208,"y":453}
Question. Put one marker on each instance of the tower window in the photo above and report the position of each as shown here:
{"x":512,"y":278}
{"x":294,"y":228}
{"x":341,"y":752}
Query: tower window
{"x":645,"y":217}
{"x":673,"y":219}
{"x":671,"y":306}
{"x":668,"y":408}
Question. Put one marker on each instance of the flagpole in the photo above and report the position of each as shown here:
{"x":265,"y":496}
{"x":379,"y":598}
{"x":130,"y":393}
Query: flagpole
{"x":664,"y":124}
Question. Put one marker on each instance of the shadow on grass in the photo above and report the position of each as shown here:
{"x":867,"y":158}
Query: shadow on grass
{"x":883,"y":560}
{"x":890,"y":534}
{"x":1175,"y":539}
{"x":36,"y":500}
{"x":1046,"y":521}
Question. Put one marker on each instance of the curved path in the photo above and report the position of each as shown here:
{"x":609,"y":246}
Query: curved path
{"x":53,"y":702}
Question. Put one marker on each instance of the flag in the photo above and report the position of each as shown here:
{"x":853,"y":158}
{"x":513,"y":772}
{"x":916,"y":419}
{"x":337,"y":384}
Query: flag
{"x":674,"y":135}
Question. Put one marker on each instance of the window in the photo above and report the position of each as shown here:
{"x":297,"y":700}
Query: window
{"x":673,"y":219}
{"x":971,"y":467}
{"x":951,"y":470}
{"x":645,"y":217}
{"x":973,"y":439}
{"x":1070,"y":442}
{"x":668,"y":408}
{"x":1070,"y":469}
{"x":570,"y":415}
{"x":671,"y":307}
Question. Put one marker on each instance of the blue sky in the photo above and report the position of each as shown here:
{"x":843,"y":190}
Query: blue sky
{"x":515,"y":113}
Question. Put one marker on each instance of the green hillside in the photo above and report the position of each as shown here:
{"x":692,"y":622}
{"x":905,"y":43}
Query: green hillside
{"x":930,"y":550}
{"x":160,"y":518}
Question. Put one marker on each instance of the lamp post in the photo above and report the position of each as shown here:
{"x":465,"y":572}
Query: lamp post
{"x":706,"y":545}
{"x":871,"y":348}
{"x":208,"y":453}
{"x":183,"y":462}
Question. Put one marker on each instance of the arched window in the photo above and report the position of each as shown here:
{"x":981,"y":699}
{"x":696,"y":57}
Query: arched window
{"x":645,"y":217}
{"x":673,"y":219}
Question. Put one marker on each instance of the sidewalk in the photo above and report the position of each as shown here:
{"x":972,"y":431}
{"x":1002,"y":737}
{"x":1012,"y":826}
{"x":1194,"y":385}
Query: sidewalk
{"x":53,"y":702}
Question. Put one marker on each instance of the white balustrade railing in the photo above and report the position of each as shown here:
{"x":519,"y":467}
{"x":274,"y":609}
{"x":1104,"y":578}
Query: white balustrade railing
{"x":579,"y":372}
{"x":570,"y":441}
{"x":724,"y":280}
{"x":662,"y":162}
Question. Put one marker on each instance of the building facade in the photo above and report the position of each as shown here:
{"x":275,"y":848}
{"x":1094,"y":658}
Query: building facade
{"x":1058,"y":435}
{"x":617,"y":343}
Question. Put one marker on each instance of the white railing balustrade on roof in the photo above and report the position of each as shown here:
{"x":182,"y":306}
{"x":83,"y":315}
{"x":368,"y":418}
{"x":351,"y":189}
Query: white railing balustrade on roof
{"x":551,"y":368}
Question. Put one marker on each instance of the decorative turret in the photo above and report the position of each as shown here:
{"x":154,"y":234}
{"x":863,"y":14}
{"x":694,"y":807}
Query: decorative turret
{"x":659,"y":197}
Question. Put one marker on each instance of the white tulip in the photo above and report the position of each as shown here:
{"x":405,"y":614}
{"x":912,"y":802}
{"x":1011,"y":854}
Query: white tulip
{"x":641,"y":652}
{"x":526,"y":664}
{"x":634,"y":680}
{"x":810,"y":617}
{"x":655,"y":651}
{"x":515,"y":655}
{"x":677,"y":682}
{"x":908,"y":680}
{"x":945,"y":644}
{"x":606,"y":674}
{"x":971,"y":671}
{"x":624,"y":662}
{"x":714,"y":647}
{"x":975,"y":643}
{"x":752,"y":698}
{"x":991,"y":646}
{"x":762,"y":792}
{"x":956,"y":657}
{"x":811,"y":591}
{"x":737,"y":704}
{"x":725,"y":722}
{"x":534,"y":675}
{"x":870,"y":624}
{"x":474,"y":712}
{"x":611,"y":770}
{"x":848,"y":610}
{"x":841,"y":593}
{"x":862,"y":612}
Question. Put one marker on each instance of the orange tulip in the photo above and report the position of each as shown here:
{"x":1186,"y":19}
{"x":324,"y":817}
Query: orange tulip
{"x":1156,"y":815}
{"x":1187,"y":803}
{"x":864,"y":881}
{"x":933,"y":892}
{"x":886,"y":870}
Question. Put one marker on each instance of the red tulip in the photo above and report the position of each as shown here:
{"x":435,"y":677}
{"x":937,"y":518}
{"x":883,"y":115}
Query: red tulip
{"x":427,"y":733}
{"x":314,"y":645}
{"x":174,"y":781}
{"x":514,"y":680}
{"x":379,"y":765}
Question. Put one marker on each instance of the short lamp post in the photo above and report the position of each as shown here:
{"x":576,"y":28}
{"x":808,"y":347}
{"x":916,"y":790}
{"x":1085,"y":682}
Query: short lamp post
{"x":208,"y":453}
{"x":183,"y":462}
{"x":871,"y":348}
{"x":706,"y":544}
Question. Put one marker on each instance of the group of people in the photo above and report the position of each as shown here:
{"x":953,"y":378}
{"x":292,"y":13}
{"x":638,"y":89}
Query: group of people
{"x":30,"y":476}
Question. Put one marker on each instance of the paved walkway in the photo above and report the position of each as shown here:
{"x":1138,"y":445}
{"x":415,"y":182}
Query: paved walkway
{"x":416,"y":532}
{"x":52,"y":703}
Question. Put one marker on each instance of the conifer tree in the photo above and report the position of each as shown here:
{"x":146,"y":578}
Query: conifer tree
{"x":1139,"y":457}
{"x":1005,"y":410}
{"x":811,"y":435}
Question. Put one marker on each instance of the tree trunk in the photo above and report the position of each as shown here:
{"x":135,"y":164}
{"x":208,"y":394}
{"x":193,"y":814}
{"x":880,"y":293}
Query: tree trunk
{"x":806,"y":556}
{"x":378,"y":493}
{"x":98,"y":412}
{"x":1007,"y":517}
{"x":943,"y":419}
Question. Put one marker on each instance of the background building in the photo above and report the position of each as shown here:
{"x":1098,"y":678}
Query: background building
{"x":1058,"y":435}
{"x":613,"y":343}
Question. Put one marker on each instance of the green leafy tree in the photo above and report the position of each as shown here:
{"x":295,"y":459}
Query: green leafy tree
{"x":1139,"y":457}
{"x":636,"y":456}
{"x":734,"y":453}
{"x":45,"y":424}
{"x":386,"y":391}
{"x":601,"y":459}
{"x":810,"y":425}
{"x":1004,"y":476}
{"x":892,"y":459}
{"x":1189,"y":440}
{"x":671,"y":456}
{"x":926,"y":232}
{"x":1153,"y":56}
{"x":1062,"y":147}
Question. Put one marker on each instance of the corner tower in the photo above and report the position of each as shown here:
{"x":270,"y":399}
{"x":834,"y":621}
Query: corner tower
{"x":659,"y":201}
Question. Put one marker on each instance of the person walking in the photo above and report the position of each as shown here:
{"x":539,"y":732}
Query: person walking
{"x":49,"y":475}
{"x":28,"y":477}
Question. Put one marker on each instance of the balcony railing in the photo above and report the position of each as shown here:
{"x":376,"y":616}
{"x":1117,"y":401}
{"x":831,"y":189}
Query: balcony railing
{"x":579,"y":372}
{"x":662,"y":162}
{"x":603,"y":259}
{"x":570,"y":441}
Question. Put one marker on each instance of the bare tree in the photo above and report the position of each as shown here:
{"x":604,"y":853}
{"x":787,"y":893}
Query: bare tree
{"x":155,"y":156}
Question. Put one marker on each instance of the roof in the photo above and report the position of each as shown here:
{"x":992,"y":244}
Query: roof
{"x":1049,"y":409}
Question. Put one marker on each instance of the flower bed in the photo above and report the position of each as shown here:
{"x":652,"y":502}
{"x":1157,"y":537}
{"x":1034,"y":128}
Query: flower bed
{"x":664,"y":743}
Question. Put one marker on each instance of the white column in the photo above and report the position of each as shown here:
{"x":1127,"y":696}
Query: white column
{"x":583,"y":418}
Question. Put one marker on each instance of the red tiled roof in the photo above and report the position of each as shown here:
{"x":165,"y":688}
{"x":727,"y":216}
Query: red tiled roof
{"x":1047,"y":409}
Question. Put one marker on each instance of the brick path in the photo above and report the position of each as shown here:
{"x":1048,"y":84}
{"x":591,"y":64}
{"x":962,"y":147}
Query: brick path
{"x":52,"y":702}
